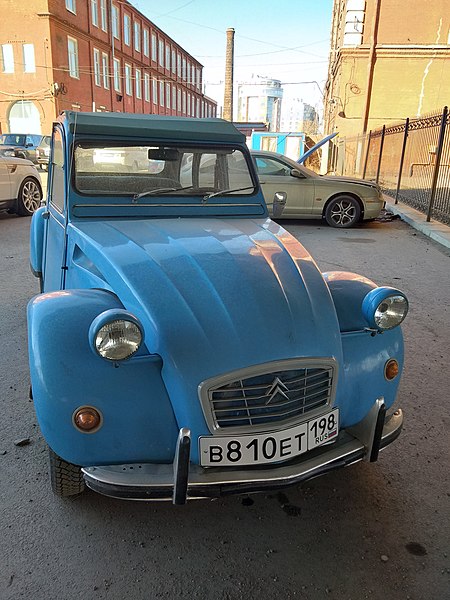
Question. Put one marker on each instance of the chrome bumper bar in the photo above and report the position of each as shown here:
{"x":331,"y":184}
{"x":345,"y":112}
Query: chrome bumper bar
{"x":183,"y":481}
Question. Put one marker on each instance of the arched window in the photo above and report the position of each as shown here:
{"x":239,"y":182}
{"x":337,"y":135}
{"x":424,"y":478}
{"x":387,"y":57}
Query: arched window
{"x":24,"y":117}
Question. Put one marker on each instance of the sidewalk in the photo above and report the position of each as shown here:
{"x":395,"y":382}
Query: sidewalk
{"x":435,"y":230}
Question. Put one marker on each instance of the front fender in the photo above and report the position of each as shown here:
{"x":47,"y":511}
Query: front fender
{"x":348,"y":291}
{"x":138,"y":421}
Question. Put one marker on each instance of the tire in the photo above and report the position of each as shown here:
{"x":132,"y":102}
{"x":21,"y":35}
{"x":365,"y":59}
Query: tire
{"x":66,"y":479}
{"x":29,"y":198}
{"x":343,"y":212}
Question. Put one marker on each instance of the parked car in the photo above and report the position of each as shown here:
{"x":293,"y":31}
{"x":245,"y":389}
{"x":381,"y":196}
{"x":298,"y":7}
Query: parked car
{"x":20,"y":186}
{"x":20,"y":145}
{"x":184,"y":345}
{"x":341,"y":201}
{"x":43,"y":152}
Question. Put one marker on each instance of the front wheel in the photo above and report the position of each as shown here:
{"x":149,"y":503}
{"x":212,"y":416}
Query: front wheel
{"x":29,"y":198}
{"x":343,"y":212}
{"x":66,"y":479}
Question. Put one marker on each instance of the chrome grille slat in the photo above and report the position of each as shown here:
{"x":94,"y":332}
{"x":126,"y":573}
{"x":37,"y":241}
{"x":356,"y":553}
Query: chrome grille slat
{"x":276,"y":396}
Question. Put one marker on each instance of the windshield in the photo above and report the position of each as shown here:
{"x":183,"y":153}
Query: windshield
{"x":19,"y":139}
{"x":144,"y":172}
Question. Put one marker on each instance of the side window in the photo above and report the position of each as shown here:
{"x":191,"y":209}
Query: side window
{"x":57,"y":185}
{"x":268,"y":166}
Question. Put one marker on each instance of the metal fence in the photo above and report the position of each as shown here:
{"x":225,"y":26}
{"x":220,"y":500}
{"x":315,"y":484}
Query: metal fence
{"x":410,"y":161}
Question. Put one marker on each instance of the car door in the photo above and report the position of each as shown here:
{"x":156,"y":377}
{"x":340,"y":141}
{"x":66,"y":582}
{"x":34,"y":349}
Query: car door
{"x":55,"y":234}
{"x":5,"y":181}
{"x":275,"y":176}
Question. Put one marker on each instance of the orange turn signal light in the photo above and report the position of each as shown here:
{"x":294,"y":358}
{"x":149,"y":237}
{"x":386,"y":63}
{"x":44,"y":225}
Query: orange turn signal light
{"x":391,"y":369}
{"x":87,"y":419}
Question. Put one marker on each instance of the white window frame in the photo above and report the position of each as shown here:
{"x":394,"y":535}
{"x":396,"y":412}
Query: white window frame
{"x":146,"y":42}
{"x":71,"y":6}
{"x":146,"y":87}
{"x":168,"y":96}
{"x":115,"y":21}
{"x":116,"y":71}
{"x":29,"y":61}
{"x":97,"y":77}
{"x":161,"y":93}
{"x":174,"y":97}
{"x":174,"y":61}
{"x":154,"y":47}
{"x":128,"y":77}
{"x":7,"y":58}
{"x":183,"y":69}
{"x":74,"y":70}
{"x":161,"y":53}
{"x":137,"y":36}
{"x":184,"y":102}
{"x":167,"y":63}
{"x":103,"y":15}
{"x":94,"y":12}
{"x":179,"y":105}
{"x":138,"y":83}
{"x":127,"y":29}
{"x":154,"y":91}
{"x":179,"y":65}
{"x":105,"y":70}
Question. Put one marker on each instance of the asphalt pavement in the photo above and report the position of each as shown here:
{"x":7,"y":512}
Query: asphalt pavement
{"x":372,"y":531}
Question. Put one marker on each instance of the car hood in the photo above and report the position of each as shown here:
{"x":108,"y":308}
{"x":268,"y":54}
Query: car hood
{"x":213,"y":296}
{"x":352,"y":180}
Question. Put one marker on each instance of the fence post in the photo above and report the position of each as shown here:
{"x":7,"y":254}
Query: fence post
{"x":401,"y":161}
{"x":438,"y":162}
{"x":381,"y":153}
{"x":367,"y":155}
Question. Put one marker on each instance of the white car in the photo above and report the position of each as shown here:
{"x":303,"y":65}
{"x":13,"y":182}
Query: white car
{"x":20,"y":186}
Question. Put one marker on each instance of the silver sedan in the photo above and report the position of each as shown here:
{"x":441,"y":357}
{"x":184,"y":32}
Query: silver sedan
{"x":341,"y":201}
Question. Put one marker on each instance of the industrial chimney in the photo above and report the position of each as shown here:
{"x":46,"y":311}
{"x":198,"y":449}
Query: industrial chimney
{"x":229,"y":66}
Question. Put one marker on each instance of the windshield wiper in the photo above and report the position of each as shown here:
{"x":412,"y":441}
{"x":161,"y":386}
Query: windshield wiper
{"x":223,"y":192}
{"x":160,"y":191}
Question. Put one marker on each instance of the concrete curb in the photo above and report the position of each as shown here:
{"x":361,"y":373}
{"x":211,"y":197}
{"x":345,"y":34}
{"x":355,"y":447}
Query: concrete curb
{"x":435,"y":230}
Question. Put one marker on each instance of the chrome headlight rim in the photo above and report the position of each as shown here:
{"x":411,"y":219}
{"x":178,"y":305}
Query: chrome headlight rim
{"x":372,"y":306}
{"x":108,"y":318}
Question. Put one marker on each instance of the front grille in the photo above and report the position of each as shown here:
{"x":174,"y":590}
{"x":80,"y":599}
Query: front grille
{"x":273,"y":397}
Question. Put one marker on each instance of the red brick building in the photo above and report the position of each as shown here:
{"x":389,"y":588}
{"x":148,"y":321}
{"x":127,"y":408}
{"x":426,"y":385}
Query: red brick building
{"x":91,"y":55}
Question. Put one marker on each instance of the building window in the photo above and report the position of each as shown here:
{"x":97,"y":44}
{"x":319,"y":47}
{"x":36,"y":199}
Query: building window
{"x":174,"y":98}
{"x":146,"y":87}
{"x":154,"y":91}
{"x":127,"y":29}
{"x":128,"y":87}
{"x":168,"y":57}
{"x":115,"y":21}
{"x":161,"y":53}
{"x":103,"y":15}
{"x":72,"y":6}
{"x":138,"y":83}
{"x":168,"y":95}
{"x":105,"y":69}
{"x":29,"y":64}
{"x":179,"y":65}
{"x":184,"y":102}
{"x":154,"y":47}
{"x":94,"y":13}
{"x":117,"y":86}
{"x":161,"y":93}
{"x":198,"y":78}
{"x":97,"y":67}
{"x":7,"y":58}
{"x":189,"y":104}
{"x":146,"y":46}
{"x":137,"y":37}
{"x":72,"y":51}
{"x":174,"y":62}
{"x":197,"y":113}
{"x":184,"y":69}
{"x":179,"y":100}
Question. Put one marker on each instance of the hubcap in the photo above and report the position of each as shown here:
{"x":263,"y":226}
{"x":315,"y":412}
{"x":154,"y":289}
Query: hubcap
{"x":31,"y":196}
{"x":343,"y":213}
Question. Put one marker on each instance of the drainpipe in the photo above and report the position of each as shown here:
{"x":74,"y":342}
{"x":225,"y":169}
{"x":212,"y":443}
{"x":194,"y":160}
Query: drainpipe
{"x":229,"y":66}
{"x":371,"y":62}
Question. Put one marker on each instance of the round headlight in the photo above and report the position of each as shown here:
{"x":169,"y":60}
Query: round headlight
{"x":118,"y":339}
{"x":385,"y":308}
{"x":390,"y":312}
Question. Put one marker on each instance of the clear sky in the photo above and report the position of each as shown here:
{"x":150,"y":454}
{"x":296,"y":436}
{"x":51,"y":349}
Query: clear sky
{"x":285,"y":39}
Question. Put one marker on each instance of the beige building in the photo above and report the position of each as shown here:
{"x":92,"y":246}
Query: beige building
{"x":389,"y":60}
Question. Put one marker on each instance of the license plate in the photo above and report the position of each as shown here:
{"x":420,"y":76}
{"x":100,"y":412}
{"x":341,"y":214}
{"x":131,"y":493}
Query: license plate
{"x":272,"y":447}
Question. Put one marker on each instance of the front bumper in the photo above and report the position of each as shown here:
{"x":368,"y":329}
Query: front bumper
{"x":182,"y":481}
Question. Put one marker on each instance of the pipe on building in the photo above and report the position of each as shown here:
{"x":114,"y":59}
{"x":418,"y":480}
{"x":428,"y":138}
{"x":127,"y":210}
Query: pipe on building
{"x":229,"y":68}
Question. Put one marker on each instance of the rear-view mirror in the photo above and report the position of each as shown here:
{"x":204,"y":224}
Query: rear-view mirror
{"x":166,"y":154}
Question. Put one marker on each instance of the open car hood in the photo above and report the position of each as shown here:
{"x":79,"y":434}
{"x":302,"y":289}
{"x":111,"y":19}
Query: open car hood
{"x":326,"y":139}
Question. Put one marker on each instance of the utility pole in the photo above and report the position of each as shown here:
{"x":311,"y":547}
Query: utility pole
{"x":229,"y":67}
